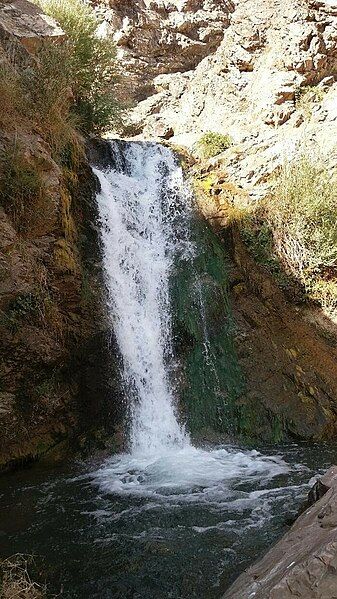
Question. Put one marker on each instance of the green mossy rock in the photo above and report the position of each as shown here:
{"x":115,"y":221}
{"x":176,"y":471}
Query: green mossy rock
{"x":210,"y":377}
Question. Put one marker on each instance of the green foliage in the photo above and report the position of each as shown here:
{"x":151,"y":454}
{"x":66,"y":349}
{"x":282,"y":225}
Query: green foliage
{"x":211,"y":144}
{"x":90,"y":61}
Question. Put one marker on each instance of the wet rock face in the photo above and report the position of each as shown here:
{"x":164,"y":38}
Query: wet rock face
{"x":289,"y":366}
{"x":304,"y":563}
{"x":163,"y":36}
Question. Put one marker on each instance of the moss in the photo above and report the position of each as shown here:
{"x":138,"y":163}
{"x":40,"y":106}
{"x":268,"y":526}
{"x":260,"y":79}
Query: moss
{"x":64,"y":257}
{"x":255,"y":421}
{"x":206,"y":183}
{"x":204,"y":337}
{"x":67,"y":221}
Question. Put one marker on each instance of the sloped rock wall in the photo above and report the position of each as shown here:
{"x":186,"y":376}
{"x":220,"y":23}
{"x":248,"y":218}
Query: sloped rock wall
{"x":304,"y":563}
{"x":163,"y":36}
{"x":247,"y":85}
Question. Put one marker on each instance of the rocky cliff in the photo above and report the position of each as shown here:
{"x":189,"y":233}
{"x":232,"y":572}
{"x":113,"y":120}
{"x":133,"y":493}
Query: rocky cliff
{"x":262,"y":71}
{"x":265,"y":75}
{"x":155,"y":38}
{"x":52,"y":321}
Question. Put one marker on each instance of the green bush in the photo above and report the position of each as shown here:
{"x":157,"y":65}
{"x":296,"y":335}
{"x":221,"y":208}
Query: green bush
{"x":91,"y":61}
{"x":211,"y":144}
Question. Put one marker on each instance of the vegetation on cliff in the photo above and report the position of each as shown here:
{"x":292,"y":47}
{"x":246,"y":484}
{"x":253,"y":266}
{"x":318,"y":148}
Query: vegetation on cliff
{"x":293,"y":233}
{"x":89,"y":65}
{"x":211,"y":144}
{"x":50,"y":308}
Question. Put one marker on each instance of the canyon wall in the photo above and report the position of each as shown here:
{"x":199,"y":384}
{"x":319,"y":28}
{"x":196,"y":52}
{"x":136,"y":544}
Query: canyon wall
{"x":265,"y":75}
{"x":262,"y":71}
{"x":56,"y":376}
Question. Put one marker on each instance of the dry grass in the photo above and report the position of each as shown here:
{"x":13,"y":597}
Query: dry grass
{"x":15,"y":579}
{"x":293,"y":233}
{"x":303,"y":216}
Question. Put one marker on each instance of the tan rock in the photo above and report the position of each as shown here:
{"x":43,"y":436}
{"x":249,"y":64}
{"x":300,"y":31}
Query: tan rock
{"x":163,"y":36}
{"x":245,"y":84}
{"x":25,"y":23}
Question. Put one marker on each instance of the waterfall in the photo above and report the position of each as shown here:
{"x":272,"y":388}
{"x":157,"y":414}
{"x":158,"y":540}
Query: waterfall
{"x":146,"y":215}
{"x":144,"y":209}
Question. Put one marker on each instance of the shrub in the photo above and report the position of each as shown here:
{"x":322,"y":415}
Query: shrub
{"x":49,"y":98}
{"x":91,"y":63}
{"x":211,"y":144}
{"x":10,"y":92}
{"x":15,"y":580}
{"x":293,"y":234}
{"x":303,"y":216}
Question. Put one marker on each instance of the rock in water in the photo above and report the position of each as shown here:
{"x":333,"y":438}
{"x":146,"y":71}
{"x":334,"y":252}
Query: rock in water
{"x":304,"y":562}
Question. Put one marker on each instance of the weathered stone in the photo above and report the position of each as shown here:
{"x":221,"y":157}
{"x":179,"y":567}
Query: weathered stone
{"x":24,"y":23}
{"x":163,"y":37}
{"x":245,"y":84}
{"x":304,"y":563}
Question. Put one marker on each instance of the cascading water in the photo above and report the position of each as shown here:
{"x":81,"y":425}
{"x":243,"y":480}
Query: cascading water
{"x":140,"y":210}
{"x":145,"y":210}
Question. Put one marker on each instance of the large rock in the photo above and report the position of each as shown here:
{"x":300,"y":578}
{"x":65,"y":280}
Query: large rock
{"x":250,"y":85}
{"x":24,"y":23}
{"x":304,"y":563}
{"x":163,"y":36}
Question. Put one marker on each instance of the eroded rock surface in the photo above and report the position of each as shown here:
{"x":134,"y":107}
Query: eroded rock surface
{"x":304,"y":563}
{"x":252,"y":85}
{"x":163,"y":36}
{"x":25,"y":23}
{"x":55,"y":375}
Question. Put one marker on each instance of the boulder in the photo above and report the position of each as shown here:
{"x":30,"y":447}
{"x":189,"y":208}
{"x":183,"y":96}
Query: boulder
{"x":303,"y":564}
{"x":23,"y":23}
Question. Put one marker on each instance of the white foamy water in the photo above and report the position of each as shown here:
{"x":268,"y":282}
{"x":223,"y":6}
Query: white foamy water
{"x":139,"y":208}
{"x":145,"y":211}
{"x":191,"y":473}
